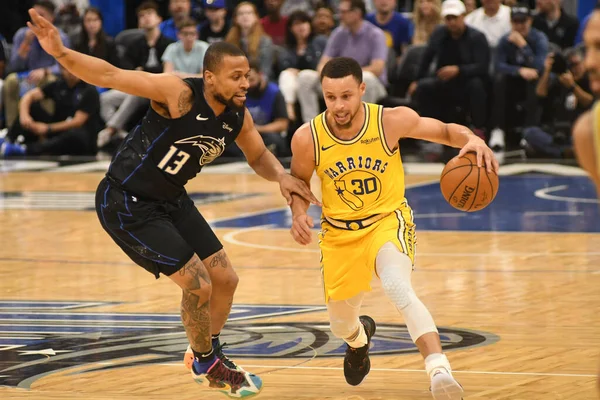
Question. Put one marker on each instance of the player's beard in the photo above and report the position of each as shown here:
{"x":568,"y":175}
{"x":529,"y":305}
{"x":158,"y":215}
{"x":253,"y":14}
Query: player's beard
{"x":229,"y":102}
{"x":348,"y":124}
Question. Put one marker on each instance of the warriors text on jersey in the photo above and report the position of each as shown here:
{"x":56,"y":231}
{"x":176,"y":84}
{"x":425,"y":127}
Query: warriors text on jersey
{"x":360,"y":177}
{"x":160,"y":155}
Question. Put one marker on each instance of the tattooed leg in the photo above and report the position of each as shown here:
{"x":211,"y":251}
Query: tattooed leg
{"x":195,"y":283}
{"x":224,"y":280}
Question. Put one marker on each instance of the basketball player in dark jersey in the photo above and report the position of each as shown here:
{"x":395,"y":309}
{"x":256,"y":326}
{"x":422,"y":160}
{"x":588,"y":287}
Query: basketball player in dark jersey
{"x":143,"y":205}
{"x":586,"y":132}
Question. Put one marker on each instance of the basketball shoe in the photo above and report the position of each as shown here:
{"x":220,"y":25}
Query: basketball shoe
{"x":188,"y":358}
{"x":444,"y":386}
{"x":236,"y":384}
{"x":356,"y":362}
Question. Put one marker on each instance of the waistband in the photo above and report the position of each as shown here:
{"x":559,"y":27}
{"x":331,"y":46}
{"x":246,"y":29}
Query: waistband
{"x":356,"y":224}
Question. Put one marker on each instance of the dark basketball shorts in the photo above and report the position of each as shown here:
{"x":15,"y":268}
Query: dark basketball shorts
{"x":159,"y":236}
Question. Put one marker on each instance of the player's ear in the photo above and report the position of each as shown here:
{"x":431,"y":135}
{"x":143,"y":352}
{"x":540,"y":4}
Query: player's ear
{"x":362,"y":88}
{"x":208,"y":76}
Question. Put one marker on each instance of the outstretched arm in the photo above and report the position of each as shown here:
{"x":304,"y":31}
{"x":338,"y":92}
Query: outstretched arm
{"x":433,"y":130}
{"x":303,"y":166}
{"x":266,"y":165}
{"x":165,"y":89}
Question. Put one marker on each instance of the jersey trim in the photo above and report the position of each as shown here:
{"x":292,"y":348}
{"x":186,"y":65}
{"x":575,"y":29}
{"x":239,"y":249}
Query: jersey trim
{"x":357,"y":137}
{"x":315,"y":136}
{"x":384,"y":143}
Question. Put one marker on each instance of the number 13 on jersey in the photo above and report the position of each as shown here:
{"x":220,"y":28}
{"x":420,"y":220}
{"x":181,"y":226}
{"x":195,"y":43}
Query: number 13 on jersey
{"x":173,"y":161}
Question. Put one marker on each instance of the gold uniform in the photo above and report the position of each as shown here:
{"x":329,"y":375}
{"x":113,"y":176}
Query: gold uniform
{"x":362,"y":182}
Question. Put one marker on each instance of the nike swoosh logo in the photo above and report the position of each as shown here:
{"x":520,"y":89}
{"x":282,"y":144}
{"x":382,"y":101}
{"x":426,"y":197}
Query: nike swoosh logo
{"x":323,"y":148}
{"x":200,"y":118}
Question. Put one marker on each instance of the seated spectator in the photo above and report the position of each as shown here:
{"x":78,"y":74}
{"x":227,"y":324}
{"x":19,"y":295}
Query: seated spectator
{"x":185,"y":57}
{"x":302,"y":51}
{"x":29,"y":64}
{"x":492,"y":18}
{"x":116,"y":107}
{"x":247,"y":33}
{"x":565,"y":94}
{"x":216,"y":26}
{"x":323,"y":22}
{"x":470,"y":6}
{"x":274,"y":23}
{"x":560,"y":27}
{"x":70,"y":130}
{"x":68,"y":16}
{"x":356,"y":38}
{"x":179,"y":11}
{"x":426,"y":17}
{"x":462,"y":58}
{"x":519,"y":62}
{"x":394,"y":25}
{"x":93,"y":40}
{"x":265,"y":103}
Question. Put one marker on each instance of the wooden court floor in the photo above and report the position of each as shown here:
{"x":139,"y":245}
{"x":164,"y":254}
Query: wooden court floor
{"x":518,"y":311}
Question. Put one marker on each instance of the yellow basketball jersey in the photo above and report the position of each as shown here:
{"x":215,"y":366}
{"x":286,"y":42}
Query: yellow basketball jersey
{"x":596,"y":128}
{"x":359,"y":177}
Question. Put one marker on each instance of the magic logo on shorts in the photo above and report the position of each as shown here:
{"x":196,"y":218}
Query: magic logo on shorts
{"x":41,"y":337}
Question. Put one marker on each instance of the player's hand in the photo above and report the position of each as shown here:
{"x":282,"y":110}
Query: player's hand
{"x":289,"y":184}
{"x":484,"y":153}
{"x":46,"y":33}
{"x":301,"y":229}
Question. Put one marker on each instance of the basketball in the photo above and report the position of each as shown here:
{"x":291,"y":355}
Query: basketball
{"x":467,"y":187}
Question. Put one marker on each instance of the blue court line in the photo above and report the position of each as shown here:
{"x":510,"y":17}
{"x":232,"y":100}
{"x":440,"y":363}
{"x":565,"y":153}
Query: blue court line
{"x":316,"y":268}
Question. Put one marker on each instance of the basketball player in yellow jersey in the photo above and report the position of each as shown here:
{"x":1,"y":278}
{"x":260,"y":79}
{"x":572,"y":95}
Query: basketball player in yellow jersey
{"x":367,"y":225}
{"x":586,"y":132}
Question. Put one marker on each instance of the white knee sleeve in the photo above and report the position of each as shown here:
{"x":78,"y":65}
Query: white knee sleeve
{"x":394,"y":269}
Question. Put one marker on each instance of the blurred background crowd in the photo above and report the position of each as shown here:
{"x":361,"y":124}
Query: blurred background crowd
{"x":512,"y":72}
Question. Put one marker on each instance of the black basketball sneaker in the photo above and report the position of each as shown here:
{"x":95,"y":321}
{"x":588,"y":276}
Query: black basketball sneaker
{"x":356,"y":362}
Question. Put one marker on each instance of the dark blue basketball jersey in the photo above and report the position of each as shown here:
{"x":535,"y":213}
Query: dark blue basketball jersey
{"x":160,"y":155}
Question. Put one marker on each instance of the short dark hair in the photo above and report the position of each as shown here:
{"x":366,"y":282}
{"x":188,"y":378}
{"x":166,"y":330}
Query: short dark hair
{"x":217,"y":51}
{"x":186,"y":23}
{"x":147,"y":5}
{"x":47,"y":4}
{"x":357,"y":4}
{"x":341,"y":67}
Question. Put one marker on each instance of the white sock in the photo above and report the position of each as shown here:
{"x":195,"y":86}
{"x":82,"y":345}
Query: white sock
{"x":360,"y":339}
{"x":435,"y":361}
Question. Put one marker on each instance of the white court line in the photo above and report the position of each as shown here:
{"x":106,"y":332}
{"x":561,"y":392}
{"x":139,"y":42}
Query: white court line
{"x":230,"y":237}
{"x":409,"y":370}
{"x":545,"y":194}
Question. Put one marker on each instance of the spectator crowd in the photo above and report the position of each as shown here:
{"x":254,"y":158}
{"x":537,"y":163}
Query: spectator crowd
{"x":511,"y":71}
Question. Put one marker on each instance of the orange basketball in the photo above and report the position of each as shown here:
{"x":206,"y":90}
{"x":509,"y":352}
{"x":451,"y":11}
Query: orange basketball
{"x":467,"y":187}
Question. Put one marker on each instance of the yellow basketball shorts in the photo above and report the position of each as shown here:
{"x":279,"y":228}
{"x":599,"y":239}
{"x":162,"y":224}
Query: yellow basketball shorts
{"x":348,"y":257}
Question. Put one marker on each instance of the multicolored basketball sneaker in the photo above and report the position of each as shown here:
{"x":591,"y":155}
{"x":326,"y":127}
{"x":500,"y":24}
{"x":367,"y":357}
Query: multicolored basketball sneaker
{"x":236,"y":384}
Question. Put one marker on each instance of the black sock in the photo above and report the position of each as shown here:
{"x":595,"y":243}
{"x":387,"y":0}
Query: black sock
{"x":215,"y":340}
{"x":203,"y":358}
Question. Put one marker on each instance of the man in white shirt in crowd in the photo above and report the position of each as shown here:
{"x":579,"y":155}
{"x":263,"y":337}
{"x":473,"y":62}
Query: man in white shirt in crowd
{"x":492,"y":19}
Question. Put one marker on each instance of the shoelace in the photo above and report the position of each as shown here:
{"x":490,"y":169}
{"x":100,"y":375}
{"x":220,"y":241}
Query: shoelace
{"x":222,"y":373}
{"x":223,"y":357}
